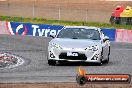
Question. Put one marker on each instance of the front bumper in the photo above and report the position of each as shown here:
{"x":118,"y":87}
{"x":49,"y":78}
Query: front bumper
{"x":83,"y":55}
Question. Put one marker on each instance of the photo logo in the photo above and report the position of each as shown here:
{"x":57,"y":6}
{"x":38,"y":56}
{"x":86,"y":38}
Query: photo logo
{"x":83,"y":78}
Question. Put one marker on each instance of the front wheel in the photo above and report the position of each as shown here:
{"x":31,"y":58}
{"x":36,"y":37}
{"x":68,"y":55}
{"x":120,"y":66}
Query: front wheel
{"x":52,"y":62}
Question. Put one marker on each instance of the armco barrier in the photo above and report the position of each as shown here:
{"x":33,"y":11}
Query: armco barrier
{"x":123,"y":35}
{"x":16,"y":28}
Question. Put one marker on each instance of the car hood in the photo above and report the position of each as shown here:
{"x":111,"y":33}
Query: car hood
{"x":75,"y":43}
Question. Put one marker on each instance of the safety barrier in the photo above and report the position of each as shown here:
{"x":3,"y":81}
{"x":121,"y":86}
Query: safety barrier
{"x":110,"y":32}
{"x":3,"y":29}
{"x":18,"y":28}
{"x":123,"y":35}
{"x":44,"y":30}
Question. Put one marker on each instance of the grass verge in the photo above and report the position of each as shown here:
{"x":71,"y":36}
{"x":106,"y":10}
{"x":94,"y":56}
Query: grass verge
{"x":64,"y":23}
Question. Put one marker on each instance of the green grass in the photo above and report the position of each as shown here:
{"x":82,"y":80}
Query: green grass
{"x":64,"y":23}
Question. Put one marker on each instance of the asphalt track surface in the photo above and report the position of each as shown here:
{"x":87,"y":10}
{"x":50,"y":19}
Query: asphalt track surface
{"x":36,"y":69}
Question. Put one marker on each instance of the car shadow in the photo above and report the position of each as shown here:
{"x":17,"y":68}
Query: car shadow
{"x":77,"y":64}
{"x":86,"y":64}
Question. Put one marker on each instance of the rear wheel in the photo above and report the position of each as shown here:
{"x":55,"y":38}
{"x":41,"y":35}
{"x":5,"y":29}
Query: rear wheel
{"x":52,"y":62}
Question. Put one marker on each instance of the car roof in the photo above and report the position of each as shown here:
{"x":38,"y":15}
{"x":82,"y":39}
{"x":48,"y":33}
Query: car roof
{"x":86,"y":27}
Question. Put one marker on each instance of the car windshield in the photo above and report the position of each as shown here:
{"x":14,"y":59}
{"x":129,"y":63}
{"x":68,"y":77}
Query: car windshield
{"x":79,"y":33}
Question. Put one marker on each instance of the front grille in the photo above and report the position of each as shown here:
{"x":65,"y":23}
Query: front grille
{"x":79,"y":57}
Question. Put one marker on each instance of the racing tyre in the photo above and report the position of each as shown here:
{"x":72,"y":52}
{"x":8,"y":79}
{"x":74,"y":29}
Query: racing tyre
{"x":52,"y":62}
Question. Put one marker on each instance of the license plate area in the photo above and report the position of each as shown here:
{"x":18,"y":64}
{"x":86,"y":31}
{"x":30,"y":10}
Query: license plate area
{"x":74,"y":54}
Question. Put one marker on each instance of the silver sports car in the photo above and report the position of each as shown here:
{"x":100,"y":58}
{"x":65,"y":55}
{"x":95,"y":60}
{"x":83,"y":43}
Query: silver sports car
{"x":79,"y":44}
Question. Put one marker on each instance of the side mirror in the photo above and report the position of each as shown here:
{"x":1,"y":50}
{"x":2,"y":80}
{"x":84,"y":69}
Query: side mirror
{"x":52,"y":35}
{"x":105,"y":38}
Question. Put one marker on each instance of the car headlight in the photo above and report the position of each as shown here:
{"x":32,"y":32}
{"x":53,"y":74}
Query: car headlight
{"x":93,"y":48}
{"x":56,"y":46}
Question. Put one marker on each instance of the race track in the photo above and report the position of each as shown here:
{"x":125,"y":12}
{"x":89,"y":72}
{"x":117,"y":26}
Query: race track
{"x":36,"y":69}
